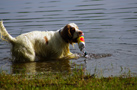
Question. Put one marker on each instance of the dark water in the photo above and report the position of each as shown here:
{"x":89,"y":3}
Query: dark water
{"x":110,"y":27}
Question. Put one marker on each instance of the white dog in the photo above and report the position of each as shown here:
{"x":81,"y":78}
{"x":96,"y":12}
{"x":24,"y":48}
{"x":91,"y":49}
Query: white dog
{"x":42,"y":44}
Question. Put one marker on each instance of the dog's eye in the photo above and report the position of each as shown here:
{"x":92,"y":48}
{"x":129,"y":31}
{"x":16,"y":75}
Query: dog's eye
{"x":72,"y":29}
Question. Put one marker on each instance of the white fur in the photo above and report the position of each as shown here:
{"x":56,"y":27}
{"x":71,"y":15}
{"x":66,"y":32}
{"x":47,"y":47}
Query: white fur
{"x":27,"y":46}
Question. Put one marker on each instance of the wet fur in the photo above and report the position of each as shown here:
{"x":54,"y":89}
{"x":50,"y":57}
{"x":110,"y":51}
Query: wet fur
{"x":35,"y":45}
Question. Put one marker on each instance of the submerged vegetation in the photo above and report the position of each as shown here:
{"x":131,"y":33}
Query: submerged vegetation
{"x":76,"y":80}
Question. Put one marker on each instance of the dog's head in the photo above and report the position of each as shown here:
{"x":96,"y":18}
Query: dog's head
{"x":70,"y":33}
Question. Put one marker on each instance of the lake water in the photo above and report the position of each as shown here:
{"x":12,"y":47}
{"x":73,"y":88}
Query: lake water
{"x":110,"y":27}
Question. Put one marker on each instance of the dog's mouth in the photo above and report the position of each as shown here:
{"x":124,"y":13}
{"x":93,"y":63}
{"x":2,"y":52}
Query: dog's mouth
{"x":75,"y":40}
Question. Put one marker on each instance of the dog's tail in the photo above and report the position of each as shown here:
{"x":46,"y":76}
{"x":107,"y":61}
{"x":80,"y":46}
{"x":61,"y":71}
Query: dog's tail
{"x":5,"y":35}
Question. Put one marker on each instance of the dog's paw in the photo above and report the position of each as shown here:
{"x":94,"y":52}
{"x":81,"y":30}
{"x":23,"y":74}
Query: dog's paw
{"x":75,"y":56}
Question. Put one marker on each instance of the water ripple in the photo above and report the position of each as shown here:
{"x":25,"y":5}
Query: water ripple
{"x":109,"y":27}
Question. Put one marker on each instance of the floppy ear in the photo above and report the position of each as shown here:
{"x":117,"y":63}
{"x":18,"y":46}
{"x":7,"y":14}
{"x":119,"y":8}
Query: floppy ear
{"x":69,"y":33}
{"x":66,"y":33}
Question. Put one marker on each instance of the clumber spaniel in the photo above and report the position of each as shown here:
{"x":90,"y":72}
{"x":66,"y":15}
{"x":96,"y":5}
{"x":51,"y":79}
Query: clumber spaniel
{"x":42,"y":44}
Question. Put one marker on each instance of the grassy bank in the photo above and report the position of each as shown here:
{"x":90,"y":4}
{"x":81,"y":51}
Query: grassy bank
{"x":57,"y":81}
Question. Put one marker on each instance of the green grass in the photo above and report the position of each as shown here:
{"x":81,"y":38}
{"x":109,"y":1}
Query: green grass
{"x":70,"y":81}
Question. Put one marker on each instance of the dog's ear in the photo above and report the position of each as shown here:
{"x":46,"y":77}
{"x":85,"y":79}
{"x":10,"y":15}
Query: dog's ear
{"x":67,"y":30}
{"x":67,"y":33}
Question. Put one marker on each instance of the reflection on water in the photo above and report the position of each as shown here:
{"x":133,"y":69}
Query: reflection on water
{"x":110,"y":26}
{"x":61,"y":65}
{"x":45,"y":66}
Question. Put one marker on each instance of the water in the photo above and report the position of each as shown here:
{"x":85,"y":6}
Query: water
{"x":109,"y":26}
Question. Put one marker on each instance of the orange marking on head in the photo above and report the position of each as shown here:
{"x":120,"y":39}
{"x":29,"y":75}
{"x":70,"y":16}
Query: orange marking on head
{"x":46,"y":40}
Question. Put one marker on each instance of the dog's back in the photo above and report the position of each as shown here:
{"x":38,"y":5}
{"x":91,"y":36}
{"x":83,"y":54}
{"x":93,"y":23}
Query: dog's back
{"x":45,"y":44}
{"x":27,"y":46}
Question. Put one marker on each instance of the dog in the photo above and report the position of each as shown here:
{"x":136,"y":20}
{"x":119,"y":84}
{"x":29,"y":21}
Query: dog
{"x":34,"y":45}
